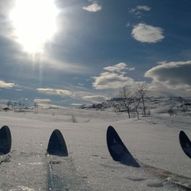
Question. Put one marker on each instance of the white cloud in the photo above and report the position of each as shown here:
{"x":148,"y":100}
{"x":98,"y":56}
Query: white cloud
{"x":46,"y":103}
{"x":143,"y":8}
{"x":119,"y":67}
{"x":6,"y":85}
{"x":95,"y":98}
{"x":94,"y":7}
{"x":51,"y":91}
{"x":147,"y":33}
{"x":113,"y":77}
{"x":116,"y":68}
{"x":78,"y":94}
{"x":81,"y":95}
{"x":108,"y":80}
{"x":171,"y":76}
{"x":42,"y":101}
{"x":139,"y":10}
{"x":131,"y":68}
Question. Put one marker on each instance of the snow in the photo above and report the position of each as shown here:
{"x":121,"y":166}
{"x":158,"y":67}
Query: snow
{"x":89,"y":166}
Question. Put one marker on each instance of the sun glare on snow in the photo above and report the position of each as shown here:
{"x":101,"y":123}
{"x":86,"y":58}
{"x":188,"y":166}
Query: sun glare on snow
{"x":34,"y":23}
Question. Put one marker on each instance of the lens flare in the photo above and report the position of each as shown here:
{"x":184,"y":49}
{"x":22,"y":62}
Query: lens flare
{"x":34,"y":23}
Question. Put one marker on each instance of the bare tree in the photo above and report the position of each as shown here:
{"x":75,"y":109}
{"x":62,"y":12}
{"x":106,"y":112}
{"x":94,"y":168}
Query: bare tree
{"x":126,"y":100}
{"x":136,"y":108}
{"x":142,"y":91}
{"x":131,"y":101}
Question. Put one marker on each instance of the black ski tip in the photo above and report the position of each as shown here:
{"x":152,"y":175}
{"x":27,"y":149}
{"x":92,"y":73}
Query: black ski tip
{"x":57,"y":145}
{"x":185,"y":143}
{"x":5,"y":140}
{"x":118,"y":150}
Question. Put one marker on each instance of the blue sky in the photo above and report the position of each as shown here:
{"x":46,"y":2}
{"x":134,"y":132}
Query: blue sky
{"x":97,"y":48}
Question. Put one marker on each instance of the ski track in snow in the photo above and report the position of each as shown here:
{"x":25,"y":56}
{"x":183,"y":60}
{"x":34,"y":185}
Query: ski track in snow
{"x":62,"y":175}
{"x":89,"y":165}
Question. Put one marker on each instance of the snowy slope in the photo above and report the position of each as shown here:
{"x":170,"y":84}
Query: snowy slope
{"x":153,"y":141}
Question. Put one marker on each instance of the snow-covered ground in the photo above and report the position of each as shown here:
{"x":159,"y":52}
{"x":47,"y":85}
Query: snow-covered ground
{"x":89,"y":166}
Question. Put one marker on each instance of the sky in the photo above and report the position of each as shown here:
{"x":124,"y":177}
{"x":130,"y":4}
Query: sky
{"x":72,"y":52}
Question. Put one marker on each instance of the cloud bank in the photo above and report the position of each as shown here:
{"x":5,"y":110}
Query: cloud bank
{"x":171,"y":75}
{"x":147,"y":33}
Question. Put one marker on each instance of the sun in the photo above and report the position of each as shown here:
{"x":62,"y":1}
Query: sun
{"x":34,"y":23}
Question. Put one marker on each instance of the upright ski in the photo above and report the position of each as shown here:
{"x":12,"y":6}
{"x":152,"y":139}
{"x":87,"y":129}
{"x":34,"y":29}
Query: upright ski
{"x":57,"y":145}
{"x":5,"y":140}
{"x":185,"y":143}
{"x":118,"y":150}
{"x":62,"y":174}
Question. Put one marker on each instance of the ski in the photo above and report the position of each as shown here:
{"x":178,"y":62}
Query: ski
{"x":5,"y":140}
{"x":56,"y":148}
{"x":118,"y":150}
{"x":120,"y":153}
{"x":62,"y":174}
{"x":185,"y":143}
{"x":57,"y":145}
{"x":5,"y":144}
